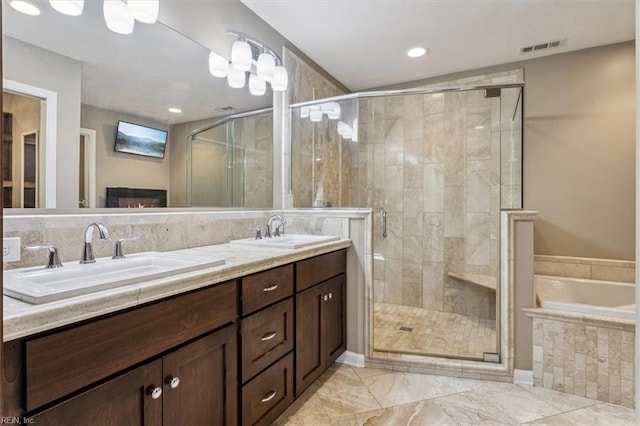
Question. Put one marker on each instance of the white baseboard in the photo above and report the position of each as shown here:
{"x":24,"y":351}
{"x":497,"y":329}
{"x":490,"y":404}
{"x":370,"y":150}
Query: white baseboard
{"x":354,"y":359}
{"x":523,"y":377}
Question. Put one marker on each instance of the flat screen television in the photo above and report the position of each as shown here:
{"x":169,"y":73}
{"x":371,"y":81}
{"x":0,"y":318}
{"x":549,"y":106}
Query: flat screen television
{"x":140,"y":140}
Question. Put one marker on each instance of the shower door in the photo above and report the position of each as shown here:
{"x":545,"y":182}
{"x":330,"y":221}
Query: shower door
{"x":433,"y":179}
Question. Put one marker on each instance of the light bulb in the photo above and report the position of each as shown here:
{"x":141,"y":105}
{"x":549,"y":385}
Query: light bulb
{"x":280,"y":79}
{"x":145,"y":11}
{"x":315,"y":115}
{"x":326,"y":107}
{"x":241,"y":55}
{"x":68,"y":7}
{"x":236,"y":78}
{"x":118,"y":17}
{"x":218,"y":66}
{"x":266,"y":66}
{"x":304,"y":112}
{"x":334,"y":114}
{"x":257,"y":86}
{"x":342,"y":128}
{"x":25,"y":7}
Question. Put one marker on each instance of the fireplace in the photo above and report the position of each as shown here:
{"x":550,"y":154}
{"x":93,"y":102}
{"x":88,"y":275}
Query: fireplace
{"x":136,"y":197}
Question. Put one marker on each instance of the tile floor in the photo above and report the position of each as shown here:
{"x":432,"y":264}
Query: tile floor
{"x":434,"y":332}
{"x":365,"y":396}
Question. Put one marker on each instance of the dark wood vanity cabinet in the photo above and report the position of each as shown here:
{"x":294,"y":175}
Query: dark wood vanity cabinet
{"x":320,"y":317}
{"x":178,"y":356}
{"x":192,"y":385}
{"x":238,"y":352}
{"x":267,"y":341}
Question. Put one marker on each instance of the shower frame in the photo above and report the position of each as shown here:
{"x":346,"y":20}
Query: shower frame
{"x":503,"y":370}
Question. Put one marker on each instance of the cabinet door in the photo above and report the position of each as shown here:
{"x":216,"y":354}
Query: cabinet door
{"x":200,"y":381}
{"x":335,"y":329}
{"x":309,"y":349}
{"x":124,"y":401}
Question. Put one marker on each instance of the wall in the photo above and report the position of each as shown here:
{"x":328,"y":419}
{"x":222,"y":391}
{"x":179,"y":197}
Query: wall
{"x":117,"y":169}
{"x":578,"y":149}
{"x":26,"y":119}
{"x":307,"y":84}
{"x":24,"y":63}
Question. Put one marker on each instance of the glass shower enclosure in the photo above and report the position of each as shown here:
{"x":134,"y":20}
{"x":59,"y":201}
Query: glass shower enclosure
{"x":436,"y":166}
{"x":230,"y":163}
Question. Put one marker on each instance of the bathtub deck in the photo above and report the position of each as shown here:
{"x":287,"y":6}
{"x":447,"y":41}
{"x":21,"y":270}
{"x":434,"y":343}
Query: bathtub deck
{"x":432,"y":332}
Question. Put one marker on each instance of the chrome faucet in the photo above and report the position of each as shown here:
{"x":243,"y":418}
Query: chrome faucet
{"x":87,"y":251}
{"x":271,"y":219}
{"x":53,"y":257}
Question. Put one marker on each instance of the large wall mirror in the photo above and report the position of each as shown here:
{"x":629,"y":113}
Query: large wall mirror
{"x":61,"y":149}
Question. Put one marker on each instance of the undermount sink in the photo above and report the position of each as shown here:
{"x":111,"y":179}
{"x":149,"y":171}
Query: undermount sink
{"x":288,"y":241}
{"x":39,"y":285}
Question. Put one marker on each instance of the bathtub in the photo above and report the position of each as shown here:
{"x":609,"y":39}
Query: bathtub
{"x":594,"y":297}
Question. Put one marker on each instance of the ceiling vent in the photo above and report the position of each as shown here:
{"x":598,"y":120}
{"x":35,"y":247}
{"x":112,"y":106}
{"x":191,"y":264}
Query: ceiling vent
{"x":226,"y":109}
{"x":541,"y":46}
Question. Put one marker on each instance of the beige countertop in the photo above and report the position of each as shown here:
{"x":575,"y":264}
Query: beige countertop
{"x":23,"y":319}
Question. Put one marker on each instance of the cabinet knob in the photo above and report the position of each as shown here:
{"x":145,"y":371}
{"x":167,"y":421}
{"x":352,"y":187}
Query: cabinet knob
{"x":154,"y":391}
{"x":269,"y":396}
{"x":330,"y":295}
{"x":268,"y":336}
{"x":173,"y":382}
{"x":272,"y":287}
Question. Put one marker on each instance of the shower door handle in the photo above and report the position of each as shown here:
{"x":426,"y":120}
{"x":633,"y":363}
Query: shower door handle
{"x":384,"y":223}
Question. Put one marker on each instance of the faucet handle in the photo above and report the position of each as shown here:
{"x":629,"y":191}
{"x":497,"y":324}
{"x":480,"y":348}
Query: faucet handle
{"x":258,"y":234}
{"x":280,"y":225}
{"x":117,"y":250}
{"x":53,"y":258}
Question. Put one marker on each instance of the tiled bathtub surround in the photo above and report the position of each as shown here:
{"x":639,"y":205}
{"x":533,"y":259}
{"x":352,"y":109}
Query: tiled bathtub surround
{"x":581,"y":267}
{"x":584,"y":356}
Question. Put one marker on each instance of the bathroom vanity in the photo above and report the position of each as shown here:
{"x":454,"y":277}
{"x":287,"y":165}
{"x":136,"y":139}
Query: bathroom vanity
{"x":233,"y":344}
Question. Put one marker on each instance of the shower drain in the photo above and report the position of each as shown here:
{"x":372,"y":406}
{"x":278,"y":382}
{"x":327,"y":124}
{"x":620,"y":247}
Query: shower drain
{"x":409,"y":329}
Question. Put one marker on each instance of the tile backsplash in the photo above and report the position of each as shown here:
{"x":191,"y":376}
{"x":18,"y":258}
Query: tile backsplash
{"x":158,"y":231}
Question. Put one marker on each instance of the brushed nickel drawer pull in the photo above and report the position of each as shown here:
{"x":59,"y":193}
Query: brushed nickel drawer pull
{"x":269,"y":396}
{"x":270,"y":288}
{"x":268,"y":336}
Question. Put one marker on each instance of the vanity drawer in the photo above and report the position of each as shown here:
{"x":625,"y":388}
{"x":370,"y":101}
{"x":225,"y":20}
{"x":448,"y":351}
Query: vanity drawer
{"x":264,"y":288}
{"x":268,"y":395}
{"x":313,"y":271}
{"x":68,"y":360}
{"x":266,"y":336}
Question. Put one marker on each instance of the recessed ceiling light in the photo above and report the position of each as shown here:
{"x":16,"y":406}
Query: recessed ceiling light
{"x":25,"y":7}
{"x":416,"y":52}
{"x":175,"y":110}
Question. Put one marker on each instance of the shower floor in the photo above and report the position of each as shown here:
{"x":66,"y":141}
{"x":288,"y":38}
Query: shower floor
{"x":407,"y":329}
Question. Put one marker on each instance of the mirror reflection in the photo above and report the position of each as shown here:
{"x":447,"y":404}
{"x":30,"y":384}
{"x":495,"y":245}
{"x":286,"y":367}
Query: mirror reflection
{"x":73,"y":80}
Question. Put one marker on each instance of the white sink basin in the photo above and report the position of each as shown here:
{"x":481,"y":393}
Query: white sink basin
{"x":39,"y":285}
{"x":288,"y":241}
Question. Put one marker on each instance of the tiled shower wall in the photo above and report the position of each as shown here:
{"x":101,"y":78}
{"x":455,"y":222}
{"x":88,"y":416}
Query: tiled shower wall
{"x":442,"y":166}
{"x":434,"y":163}
{"x":311,"y":142}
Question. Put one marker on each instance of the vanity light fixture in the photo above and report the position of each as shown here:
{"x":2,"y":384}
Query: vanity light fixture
{"x":236,"y":78}
{"x":218,"y":66}
{"x":266,"y":66}
{"x":175,"y":110}
{"x":241,"y":55}
{"x":248,"y":53}
{"x":25,"y":7}
{"x":118,"y":17}
{"x":68,"y":7}
{"x":257,"y":86}
{"x":145,"y":11}
{"x":416,"y":52}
